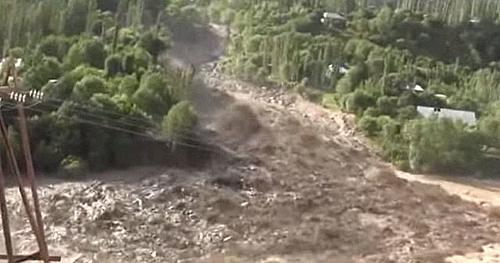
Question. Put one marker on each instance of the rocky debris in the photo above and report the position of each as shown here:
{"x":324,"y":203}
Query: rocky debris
{"x":148,"y":221}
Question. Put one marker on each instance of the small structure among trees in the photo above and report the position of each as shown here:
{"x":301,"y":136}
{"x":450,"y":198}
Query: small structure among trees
{"x":467,"y":117}
{"x":415,"y":88}
{"x":334,"y":20}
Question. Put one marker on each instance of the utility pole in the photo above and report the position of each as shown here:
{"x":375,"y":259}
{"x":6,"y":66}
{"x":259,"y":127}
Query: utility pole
{"x":18,"y":97}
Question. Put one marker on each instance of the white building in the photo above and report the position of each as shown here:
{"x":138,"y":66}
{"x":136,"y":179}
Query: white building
{"x":416,"y":88}
{"x":18,"y":62}
{"x":333,"y":16}
{"x":468,"y":117}
{"x":333,"y":19}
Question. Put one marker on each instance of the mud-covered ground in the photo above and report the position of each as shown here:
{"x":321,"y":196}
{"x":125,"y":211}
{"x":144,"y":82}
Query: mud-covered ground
{"x":299,"y":187}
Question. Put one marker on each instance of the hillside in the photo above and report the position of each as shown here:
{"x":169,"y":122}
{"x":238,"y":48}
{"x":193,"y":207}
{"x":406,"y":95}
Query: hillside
{"x":253,"y":131}
{"x":300,"y":185}
{"x":382,"y":65}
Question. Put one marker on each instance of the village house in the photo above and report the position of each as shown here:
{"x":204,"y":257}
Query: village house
{"x":333,"y":20}
{"x":467,"y":117}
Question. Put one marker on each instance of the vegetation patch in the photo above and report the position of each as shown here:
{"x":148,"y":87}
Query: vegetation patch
{"x":98,"y":65}
{"x":383,"y":62}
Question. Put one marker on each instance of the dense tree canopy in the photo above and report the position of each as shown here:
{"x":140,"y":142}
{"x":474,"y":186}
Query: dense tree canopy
{"x":97,"y":63}
{"x":380,"y":63}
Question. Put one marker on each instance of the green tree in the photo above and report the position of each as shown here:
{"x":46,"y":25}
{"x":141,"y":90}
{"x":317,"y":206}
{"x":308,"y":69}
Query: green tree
{"x":87,"y":87}
{"x":73,"y":167}
{"x":153,"y":95}
{"x":359,"y":101}
{"x":54,"y":46}
{"x":384,"y":20}
{"x":154,"y":44}
{"x":443,"y":146}
{"x":38,"y":75}
{"x":113,"y":65}
{"x":87,"y":51}
{"x":368,"y":125}
{"x":76,"y":17}
{"x":108,"y":5}
{"x":387,"y":105}
{"x":129,"y":85}
{"x":179,"y":121}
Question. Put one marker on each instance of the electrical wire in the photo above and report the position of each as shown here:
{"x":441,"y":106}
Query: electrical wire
{"x":111,"y":127}
{"x":74,"y":103}
{"x":123,"y":121}
{"x":156,"y":128}
{"x":114,"y":121}
{"x":91,"y":114}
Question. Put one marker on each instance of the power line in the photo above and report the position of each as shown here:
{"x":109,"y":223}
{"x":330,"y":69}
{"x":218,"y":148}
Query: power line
{"x":139,"y":120}
{"x":140,"y":134}
{"x":91,"y":114}
{"x":123,"y":121}
{"x":110,"y":120}
{"x":181,"y":133}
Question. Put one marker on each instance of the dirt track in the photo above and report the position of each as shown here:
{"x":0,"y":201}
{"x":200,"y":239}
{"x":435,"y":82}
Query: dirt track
{"x":300,"y":187}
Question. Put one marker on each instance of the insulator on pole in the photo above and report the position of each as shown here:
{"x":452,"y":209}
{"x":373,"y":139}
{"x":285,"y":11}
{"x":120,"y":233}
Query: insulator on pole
{"x":24,"y":97}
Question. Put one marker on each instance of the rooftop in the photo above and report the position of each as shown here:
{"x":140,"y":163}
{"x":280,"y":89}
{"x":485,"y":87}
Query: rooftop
{"x":468,"y":117}
{"x":328,"y":15}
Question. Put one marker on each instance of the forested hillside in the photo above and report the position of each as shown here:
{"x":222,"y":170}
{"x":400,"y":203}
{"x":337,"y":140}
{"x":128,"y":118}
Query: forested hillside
{"x":380,"y":62}
{"x":99,"y":64}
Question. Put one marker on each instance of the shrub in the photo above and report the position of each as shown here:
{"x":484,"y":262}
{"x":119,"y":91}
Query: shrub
{"x":368,"y":125}
{"x":88,"y":86}
{"x":153,"y":95}
{"x":329,"y":101}
{"x":16,"y":52}
{"x":372,"y":112}
{"x":54,"y":46}
{"x":407,"y":113}
{"x":88,"y":51}
{"x":75,"y":17}
{"x":443,"y":146}
{"x":382,"y":121}
{"x":387,"y":105}
{"x":38,"y":75}
{"x":154,"y":44}
{"x":113,"y":65}
{"x":128,"y":85}
{"x":358,"y":101}
{"x":179,"y":121}
{"x":73,"y":166}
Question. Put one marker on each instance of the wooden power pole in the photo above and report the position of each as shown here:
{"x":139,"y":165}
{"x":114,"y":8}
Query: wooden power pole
{"x":11,"y":94}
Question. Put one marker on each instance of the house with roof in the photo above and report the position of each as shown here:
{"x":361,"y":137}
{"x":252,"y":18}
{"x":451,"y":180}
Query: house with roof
{"x":467,"y":117}
{"x":333,"y":19}
{"x":339,"y":68}
{"x":414,"y":87}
